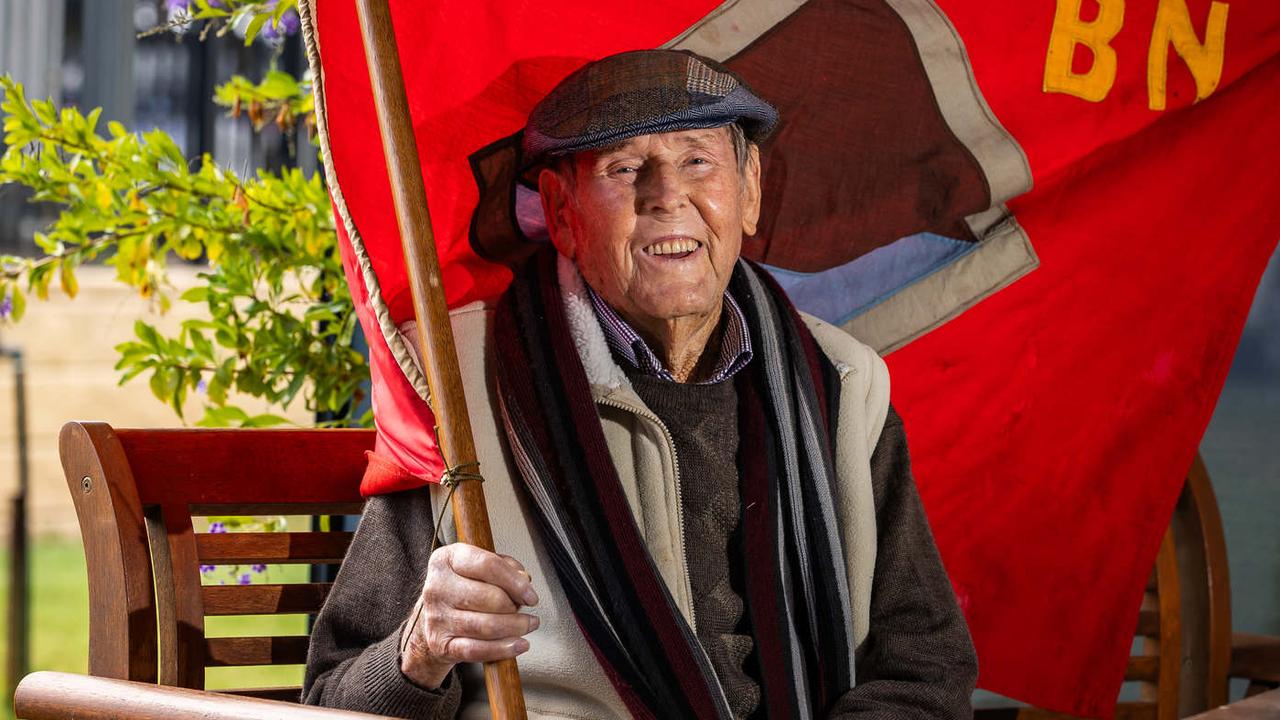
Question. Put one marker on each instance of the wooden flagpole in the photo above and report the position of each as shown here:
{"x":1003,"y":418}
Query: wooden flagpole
{"x":435,"y":333}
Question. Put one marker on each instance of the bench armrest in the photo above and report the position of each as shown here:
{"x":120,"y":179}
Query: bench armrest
{"x":56,"y":695}
{"x":1255,"y":657}
{"x":1258,"y":707}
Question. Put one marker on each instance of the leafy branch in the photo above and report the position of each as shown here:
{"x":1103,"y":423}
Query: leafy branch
{"x":271,"y":18}
{"x":280,"y":320}
{"x":279,"y":98}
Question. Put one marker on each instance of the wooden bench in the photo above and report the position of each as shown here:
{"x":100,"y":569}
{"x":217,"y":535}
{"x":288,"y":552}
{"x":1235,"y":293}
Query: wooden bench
{"x":137,"y":491}
{"x":58,"y":696}
{"x":136,"y":494}
{"x":1261,"y":706}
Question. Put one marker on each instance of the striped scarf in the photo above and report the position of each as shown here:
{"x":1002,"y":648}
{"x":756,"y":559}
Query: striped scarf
{"x":795,"y":588}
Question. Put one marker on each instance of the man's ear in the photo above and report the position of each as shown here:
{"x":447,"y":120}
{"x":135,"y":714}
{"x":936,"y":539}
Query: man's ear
{"x":751,"y":191}
{"x":555,"y":207}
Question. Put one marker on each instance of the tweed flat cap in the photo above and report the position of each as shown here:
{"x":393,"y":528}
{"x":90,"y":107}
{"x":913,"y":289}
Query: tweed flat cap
{"x":641,"y":93}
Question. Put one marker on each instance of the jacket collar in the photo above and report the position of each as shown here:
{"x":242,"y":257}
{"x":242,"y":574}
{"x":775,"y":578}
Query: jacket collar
{"x":603,"y":374}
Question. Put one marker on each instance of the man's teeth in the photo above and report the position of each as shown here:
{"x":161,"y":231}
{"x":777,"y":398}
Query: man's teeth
{"x":672,"y":247}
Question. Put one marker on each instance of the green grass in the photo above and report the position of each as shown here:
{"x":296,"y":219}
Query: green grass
{"x":59,"y":608}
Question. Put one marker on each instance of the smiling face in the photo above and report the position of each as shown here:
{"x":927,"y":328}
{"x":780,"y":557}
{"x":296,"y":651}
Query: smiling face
{"x":655,"y":223}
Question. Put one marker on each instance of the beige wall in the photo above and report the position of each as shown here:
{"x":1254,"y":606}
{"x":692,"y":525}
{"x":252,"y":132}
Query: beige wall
{"x":67,"y":346}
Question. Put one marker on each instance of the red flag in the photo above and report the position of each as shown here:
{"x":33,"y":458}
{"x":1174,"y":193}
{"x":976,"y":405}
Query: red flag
{"x":1051,"y":417}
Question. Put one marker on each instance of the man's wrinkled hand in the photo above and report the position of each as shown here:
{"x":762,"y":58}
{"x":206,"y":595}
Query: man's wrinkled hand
{"x":469,"y":611}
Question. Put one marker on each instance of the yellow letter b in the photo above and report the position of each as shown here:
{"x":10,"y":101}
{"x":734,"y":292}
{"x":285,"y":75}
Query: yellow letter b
{"x":1068,"y":32}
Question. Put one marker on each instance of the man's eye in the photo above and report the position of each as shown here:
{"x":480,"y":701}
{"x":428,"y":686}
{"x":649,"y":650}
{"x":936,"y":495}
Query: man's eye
{"x":699,"y":161}
{"x":623,"y":170}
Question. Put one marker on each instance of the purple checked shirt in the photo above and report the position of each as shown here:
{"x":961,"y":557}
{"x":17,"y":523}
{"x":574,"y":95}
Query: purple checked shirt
{"x":735,"y":344}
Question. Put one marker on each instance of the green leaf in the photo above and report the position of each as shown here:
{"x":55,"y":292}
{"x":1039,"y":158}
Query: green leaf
{"x":225,"y":338}
{"x":131,"y":354}
{"x":278,"y":85}
{"x":132,"y":373}
{"x":221,"y":381}
{"x":163,"y":383}
{"x":45,"y":112}
{"x":299,"y":379}
{"x":91,"y":121}
{"x":265,"y":420}
{"x":19,"y":305}
{"x":38,"y":280}
{"x":67,"y":278}
{"x":254,"y":27}
{"x":222,"y":417}
{"x":199,"y":343}
{"x":247,"y":381}
{"x":217,"y":391}
{"x":319,"y":313}
{"x":148,"y":334}
{"x":196,"y":294}
{"x":179,"y":392}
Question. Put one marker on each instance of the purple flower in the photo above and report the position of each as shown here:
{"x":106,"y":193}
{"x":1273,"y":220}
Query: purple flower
{"x":259,"y":569}
{"x":287,"y":25}
{"x":244,"y":579}
{"x":206,"y":569}
{"x":202,"y":386}
{"x":6,"y":307}
{"x":177,"y":5}
{"x":217,"y":527}
{"x":289,"y":22}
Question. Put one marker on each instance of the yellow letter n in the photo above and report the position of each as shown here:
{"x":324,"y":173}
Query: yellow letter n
{"x":1173,"y":26}
{"x":1068,"y":32}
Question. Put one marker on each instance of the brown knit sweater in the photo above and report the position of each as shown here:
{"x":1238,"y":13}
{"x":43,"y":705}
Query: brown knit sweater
{"x":703,"y":421}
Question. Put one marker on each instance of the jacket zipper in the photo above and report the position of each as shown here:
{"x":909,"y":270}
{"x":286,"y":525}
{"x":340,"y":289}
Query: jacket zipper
{"x":675,"y":461}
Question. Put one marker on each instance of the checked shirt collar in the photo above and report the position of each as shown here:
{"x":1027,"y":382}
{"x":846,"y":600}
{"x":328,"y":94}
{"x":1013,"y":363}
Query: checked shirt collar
{"x":735,"y":344}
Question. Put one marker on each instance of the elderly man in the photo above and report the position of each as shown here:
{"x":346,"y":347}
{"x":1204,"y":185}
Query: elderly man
{"x":705,"y":495}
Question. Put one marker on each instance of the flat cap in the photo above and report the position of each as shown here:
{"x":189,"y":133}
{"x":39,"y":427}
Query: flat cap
{"x":641,"y":93}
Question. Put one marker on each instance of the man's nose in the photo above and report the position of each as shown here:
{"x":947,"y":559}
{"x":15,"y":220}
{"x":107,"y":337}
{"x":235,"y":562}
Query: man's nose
{"x":661,"y":189}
